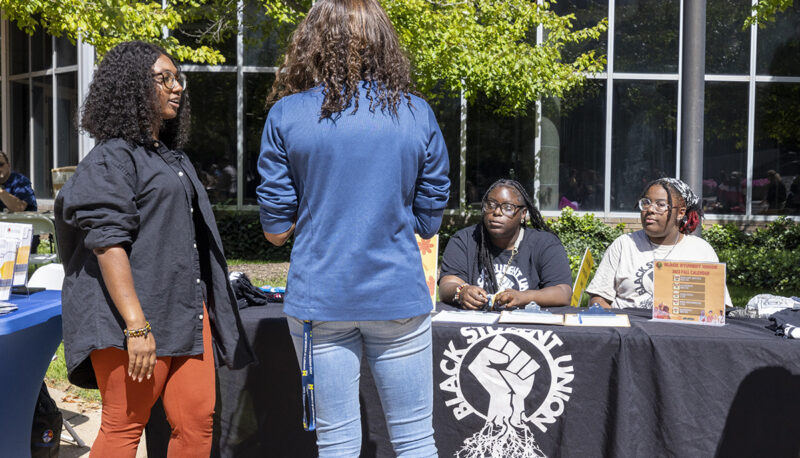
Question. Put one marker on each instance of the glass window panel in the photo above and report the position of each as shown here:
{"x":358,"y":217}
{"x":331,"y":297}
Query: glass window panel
{"x":447,"y":108}
{"x":587,"y":14}
{"x":67,"y":112}
{"x":572,"y":166}
{"x":41,"y":51}
{"x":727,"y":45}
{"x":20,"y":127}
{"x":265,"y":39}
{"x":642,"y":139}
{"x":497,"y":147}
{"x":256,"y":88}
{"x":776,"y":155}
{"x":66,"y":52}
{"x":212,"y":144}
{"x":18,"y":43}
{"x":192,"y":34}
{"x":646,"y":36}
{"x":725,"y":148}
{"x":43,"y":135}
{"x":779,"y":44}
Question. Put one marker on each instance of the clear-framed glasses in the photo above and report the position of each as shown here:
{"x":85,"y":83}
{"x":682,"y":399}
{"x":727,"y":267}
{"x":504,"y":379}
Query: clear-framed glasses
{"x":168,"y":79}
{"x":507,"y":208}
{"x":659,"y":206}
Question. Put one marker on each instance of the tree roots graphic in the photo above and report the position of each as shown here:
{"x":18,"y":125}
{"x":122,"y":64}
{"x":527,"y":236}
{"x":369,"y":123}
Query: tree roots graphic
{"x":501,"y":441}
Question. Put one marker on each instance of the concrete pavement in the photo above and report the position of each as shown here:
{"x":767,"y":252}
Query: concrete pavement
{"x":85,"y":420}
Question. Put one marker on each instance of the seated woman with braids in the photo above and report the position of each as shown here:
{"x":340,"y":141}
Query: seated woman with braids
{"x":670,"y":211}
{"x":503,"y":258}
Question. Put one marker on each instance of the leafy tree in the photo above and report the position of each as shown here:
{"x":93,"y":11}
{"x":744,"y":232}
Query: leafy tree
{"x":475,"y":46}
{"x":765,"y":10}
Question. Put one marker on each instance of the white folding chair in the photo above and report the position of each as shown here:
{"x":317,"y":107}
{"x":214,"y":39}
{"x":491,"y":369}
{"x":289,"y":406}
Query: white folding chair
{"x":49,"y":276}
{"x":42,"y":224}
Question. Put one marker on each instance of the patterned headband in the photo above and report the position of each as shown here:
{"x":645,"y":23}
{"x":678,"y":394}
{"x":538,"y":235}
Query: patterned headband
{"x":691,"y":199}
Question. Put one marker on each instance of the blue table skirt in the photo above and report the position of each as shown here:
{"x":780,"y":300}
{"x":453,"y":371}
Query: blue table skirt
{"x":28,"y":338}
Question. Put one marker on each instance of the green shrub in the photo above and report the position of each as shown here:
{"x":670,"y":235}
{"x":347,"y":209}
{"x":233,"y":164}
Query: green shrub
{"x":781,"y":234}
{"x":769,"y":258}
{"x":725,"y":237}
{"x":242,"y":237}
{"x":759,"y":267}
{"x":578,"y":233}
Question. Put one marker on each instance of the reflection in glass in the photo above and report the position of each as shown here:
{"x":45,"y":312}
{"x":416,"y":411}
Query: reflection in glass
{"x":447,"y":109}
{"x":725,"y":148}
{"x":41,"y":51}
{"x":779,"y":45}
{"x":265,"y":39}
{"x":642,"y":139}
{"x":20,"y":132}
{"x":18,"y":43}
{"x":497,"y":147}
{"x":194,"y":34}
{"x":587,"y":14}
{"x":212,"y":144}
{"x":572,"y":166}
{"x":776,"y":149}
{"x":727,"y":45}
{"x":66,"y":52}
{"x":67,"y":109}
{"x":646,"y":36}
{"x":256,"y":88}
{"x":42,"y":135}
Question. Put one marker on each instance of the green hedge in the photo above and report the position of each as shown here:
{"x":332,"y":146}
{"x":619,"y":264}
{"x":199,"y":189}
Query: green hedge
{"x":767,"y":258}
{"x":578,"y":233}
{"x":243,"y":238}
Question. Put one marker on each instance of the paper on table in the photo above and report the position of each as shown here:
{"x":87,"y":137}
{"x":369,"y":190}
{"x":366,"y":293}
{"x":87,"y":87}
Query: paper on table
{"x":508,"y":316}
{"x":619,"y":320}
{"x":8,"y":254}
{"x":466,"y":316}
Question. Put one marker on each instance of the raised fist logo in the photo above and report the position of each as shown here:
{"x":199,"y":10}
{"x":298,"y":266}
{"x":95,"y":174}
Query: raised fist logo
{"x":507,"y":374}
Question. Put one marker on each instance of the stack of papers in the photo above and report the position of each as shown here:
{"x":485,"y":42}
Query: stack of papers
{"x":466,"y":316}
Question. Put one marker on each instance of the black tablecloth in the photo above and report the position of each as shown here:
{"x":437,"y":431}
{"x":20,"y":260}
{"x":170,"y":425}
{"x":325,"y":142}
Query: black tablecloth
{"x":654,"y":389}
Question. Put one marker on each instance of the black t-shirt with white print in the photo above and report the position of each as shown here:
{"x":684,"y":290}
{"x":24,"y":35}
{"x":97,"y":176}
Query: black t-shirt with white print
{"x":540,"y":263}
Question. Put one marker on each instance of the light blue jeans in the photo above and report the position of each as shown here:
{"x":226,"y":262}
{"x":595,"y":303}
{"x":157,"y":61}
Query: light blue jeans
{"x":399,"y":355}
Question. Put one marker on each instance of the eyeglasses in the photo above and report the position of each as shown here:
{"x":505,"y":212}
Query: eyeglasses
{"x":507,"y":208}
{"x":168,"y":79}
{"x":659,"y":206}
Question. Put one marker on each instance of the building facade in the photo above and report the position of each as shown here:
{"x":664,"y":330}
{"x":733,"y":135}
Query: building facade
{"x":592,"y":150}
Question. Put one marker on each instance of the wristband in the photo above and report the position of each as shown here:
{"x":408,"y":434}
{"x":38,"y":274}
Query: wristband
{"x":141,"y":332}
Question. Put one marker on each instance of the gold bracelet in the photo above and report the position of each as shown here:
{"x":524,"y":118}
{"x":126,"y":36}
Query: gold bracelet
{"x":141,"y":332}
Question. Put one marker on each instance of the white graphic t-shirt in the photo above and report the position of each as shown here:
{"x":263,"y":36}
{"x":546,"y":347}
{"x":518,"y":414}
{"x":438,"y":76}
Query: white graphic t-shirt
{"x":625,"y":275}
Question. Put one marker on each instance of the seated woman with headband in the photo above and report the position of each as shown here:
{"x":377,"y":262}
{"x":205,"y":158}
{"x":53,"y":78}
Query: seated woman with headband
{"x":670,"y":211}
{"x":503,"y":260}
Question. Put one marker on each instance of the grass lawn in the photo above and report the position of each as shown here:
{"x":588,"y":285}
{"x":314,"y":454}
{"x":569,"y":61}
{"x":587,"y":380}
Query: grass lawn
{"x":57,"y":376}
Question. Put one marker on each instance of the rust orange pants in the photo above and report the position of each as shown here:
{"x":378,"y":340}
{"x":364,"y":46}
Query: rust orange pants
{"x":186,"y":387}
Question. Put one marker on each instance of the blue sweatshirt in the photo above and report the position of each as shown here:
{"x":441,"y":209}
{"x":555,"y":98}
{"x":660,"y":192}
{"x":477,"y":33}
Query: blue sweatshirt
{"x":360,"y":186}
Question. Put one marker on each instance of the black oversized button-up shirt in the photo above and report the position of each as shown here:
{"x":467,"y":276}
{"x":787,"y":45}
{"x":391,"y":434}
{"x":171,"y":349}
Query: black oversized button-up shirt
{"x":148,"y":199}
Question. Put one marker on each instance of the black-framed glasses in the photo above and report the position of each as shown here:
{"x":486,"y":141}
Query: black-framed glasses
{"x":659,"y":206}
{"x":507,"y":208}
{"x":168,"y":79}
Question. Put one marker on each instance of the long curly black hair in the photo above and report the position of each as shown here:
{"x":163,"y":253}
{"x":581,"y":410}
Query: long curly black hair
{"x":339,"y":44}
{"x":485,"y":257}
{"x":123,"y":102}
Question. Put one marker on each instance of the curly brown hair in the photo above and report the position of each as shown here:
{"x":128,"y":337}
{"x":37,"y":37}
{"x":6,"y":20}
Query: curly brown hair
{"x":123,"y":102}
{"x":339,"y":44}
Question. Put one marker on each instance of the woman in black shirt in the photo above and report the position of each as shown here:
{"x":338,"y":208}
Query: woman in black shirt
{"x":146,"y":280}
{"x":500,"y":262}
